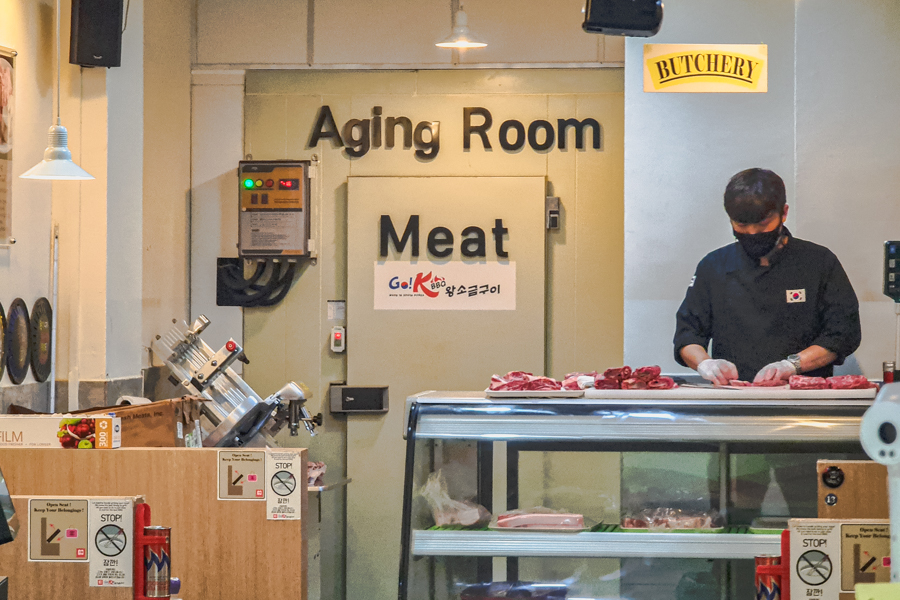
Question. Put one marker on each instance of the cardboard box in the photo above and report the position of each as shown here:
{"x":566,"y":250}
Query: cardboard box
{"x":831,"y":556}
{"x":161,"y":424}
{"x":60,"y":431}
{"x":852,"y":489}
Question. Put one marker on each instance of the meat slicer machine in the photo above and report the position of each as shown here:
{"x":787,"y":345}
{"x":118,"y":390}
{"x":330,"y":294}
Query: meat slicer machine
{"x":239,"y":415}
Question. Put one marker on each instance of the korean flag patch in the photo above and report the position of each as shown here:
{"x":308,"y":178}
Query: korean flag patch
{"x":796,"y":296}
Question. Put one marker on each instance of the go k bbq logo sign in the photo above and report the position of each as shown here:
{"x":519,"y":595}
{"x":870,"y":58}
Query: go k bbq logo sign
{"x":428,"y":285}
{"x":454,"y":285}
{"x":705,"y":68}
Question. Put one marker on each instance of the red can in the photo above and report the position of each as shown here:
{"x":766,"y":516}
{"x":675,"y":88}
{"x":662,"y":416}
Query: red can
{"x":768,"y":587}
{"x":157,"y":562}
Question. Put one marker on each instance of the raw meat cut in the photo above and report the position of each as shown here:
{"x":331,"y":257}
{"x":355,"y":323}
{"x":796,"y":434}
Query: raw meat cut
{"x":671,"y":518}
{"x":570,"y":383}
{"x":679,"y":522}
{"x":543,"y":384}
{"x":591,"y":374}
{"x":770,"y":383}
{"x":449,"y":512}
{"x":541,"y":520}
{"x":604,"y":383}
{"x":521,"y":381}
{"x":661,"y":383}
{"x":633,"y":383}
{"x":850,"y":382}
{"x":619,"y":374}
{"x":315,"y":472}
{"x":579,"y":381}
{"x":647,"y":373}
{"x":801,"y":382}
{"x":467,"y":515}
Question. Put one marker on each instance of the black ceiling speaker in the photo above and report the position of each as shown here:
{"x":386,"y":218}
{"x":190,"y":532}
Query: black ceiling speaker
{"x":637,"y":18}
{"x":96,"y":39}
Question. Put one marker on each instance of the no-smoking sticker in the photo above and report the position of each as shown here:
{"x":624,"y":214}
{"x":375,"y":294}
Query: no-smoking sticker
{"x":112,"y":553}
{"x":287,"y":484}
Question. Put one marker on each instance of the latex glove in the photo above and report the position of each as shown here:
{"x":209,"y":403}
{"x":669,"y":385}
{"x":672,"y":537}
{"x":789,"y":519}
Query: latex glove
{"x":717,"y":370}
{"x":779,"y":371}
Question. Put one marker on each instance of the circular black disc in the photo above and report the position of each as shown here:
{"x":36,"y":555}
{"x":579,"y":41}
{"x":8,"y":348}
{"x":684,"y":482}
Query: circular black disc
{"x":18,"y":341}
{"x":2,"y":340}
{"x":41,"y":320}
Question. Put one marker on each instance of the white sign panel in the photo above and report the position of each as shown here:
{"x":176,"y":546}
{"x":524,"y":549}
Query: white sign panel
{"x":242,"y":475}
{"x":110,"y":539}
{"x":453,"y":285}
{"x":58,"y":530}
{"x":275,"y":230}
{"x":287,"y":484}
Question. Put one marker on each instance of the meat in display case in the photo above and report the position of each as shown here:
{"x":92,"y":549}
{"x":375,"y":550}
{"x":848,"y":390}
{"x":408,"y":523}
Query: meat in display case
{"x":638,"y":494}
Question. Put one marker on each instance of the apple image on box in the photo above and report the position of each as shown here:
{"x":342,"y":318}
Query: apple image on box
{"x":76,"y":433}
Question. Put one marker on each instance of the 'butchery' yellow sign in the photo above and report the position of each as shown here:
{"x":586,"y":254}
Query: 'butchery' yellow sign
{"x":704,"y":68}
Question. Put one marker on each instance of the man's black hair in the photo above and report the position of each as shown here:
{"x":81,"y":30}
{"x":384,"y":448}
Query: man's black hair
{"x":753,"y":195}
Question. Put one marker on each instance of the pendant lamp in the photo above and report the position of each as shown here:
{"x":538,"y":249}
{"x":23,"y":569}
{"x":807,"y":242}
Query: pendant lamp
{"x":57,"y":163}
{"x":461,"y":37}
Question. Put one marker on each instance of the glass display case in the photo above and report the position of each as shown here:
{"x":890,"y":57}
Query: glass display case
{"x":719,"y":463}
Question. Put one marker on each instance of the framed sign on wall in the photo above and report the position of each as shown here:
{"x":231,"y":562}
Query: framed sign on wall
{"x":7,"y":111}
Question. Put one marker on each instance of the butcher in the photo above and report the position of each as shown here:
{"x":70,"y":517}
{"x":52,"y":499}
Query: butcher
{"x":771,"y":304}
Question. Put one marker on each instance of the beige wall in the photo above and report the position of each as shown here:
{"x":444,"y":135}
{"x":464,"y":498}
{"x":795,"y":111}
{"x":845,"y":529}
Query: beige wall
{"x":99,"y":290}
{"x":166,"y":169}
{"x":584,"y":258}
{"x":27,"y":27}
{"x":341,"y":34}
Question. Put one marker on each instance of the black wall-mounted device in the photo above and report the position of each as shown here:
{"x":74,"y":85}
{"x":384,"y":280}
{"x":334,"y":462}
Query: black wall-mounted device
{"x":892,"y":270}
{"x":359,"y":399}
{"x":636,"y":18}
{"x":96,"y":39}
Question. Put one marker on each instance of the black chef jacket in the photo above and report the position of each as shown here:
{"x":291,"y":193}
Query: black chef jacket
{"x":758,"y":315}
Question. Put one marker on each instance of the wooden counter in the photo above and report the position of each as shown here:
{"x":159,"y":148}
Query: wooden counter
{"x":221,"y":550}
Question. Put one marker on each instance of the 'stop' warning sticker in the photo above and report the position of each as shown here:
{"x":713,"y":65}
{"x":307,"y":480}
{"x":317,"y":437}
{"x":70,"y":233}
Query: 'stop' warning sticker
{"x":287,"y":485}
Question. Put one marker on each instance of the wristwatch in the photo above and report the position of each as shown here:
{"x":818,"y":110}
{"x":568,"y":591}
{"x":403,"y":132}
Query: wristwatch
{"x":794,"y":359}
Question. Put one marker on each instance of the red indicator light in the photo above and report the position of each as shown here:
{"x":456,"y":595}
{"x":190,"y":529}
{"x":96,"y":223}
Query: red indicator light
{"x":286,"y":184}
{"x":269,"y":183}
{"x":337,"y":336}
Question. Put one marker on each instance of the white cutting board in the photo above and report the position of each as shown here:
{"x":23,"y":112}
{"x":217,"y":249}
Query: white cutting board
{"x":751,"y":393}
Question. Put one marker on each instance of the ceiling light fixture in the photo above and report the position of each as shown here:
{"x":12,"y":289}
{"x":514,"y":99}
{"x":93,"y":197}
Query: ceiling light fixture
{"x":57,"y":163}
{"x":461,"y":37}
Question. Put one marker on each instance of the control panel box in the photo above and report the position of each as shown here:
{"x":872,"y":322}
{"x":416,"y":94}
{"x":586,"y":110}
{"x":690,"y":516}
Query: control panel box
{"x":274,"y":208}
{"x":892,"y":270}
{"x":357,"y":399}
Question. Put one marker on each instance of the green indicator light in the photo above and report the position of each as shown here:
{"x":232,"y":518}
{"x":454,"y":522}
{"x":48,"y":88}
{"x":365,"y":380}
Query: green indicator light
{"x":248,"y":183}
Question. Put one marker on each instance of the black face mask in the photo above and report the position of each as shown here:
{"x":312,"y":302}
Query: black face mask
{"x":757,"y":245}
